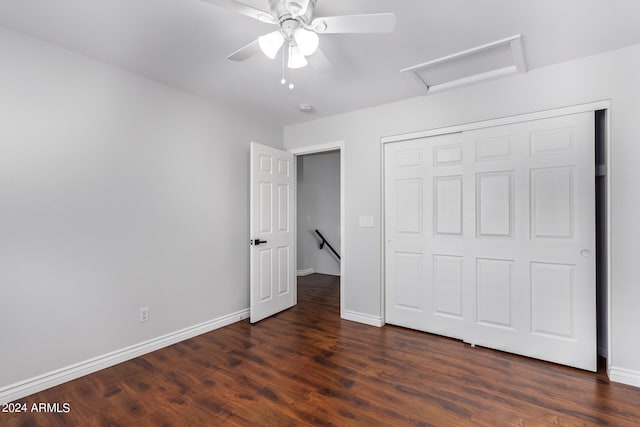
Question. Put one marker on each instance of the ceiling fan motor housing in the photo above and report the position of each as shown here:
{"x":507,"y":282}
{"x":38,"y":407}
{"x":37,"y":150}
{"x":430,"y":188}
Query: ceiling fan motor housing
{"x":288,"y":25}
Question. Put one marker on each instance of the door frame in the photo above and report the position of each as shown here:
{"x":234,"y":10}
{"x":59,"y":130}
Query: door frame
{"x":321,"y":148}
{"x":573,"y":109}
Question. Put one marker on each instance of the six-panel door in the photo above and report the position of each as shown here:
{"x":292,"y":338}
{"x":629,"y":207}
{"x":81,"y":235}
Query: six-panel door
{"x":273,"y":283}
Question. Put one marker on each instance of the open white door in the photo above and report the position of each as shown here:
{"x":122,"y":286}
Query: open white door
{"x":272,"y":232}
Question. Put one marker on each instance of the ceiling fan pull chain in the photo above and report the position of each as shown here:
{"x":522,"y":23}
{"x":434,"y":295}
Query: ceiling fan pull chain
{"x":284,"y":80}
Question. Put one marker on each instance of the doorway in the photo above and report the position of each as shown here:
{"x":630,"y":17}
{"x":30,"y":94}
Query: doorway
{"x":319,"y":214}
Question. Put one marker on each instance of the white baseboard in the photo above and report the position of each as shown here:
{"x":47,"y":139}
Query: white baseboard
{"x":42,"y":382}
{"x":624,"y":376}
{"x":328,"y":274}
{"x":305,"y":272}
{"x":367,"y":319}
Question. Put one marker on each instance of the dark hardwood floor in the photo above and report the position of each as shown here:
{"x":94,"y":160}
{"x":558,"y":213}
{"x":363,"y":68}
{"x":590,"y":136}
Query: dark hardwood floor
{"x":306,"y":366}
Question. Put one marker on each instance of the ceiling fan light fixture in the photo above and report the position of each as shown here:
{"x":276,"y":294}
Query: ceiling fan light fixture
{"x":271,"y":43}
{"x":296,"y":59}
{"x":307,"y":41}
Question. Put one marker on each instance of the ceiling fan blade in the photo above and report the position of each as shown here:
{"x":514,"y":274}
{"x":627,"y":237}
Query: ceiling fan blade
{"x":370,"y":23}
{"x":319,"y":61}
{"x":243,"y":9}
{"x":245,"y":52}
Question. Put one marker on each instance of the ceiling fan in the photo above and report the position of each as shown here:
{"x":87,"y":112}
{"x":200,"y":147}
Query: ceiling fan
{"x":299,"y":29}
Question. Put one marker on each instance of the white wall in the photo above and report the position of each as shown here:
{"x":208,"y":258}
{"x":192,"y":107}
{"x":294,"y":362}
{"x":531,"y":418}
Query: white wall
{"x":613,"y":76}
{"x":318,"y":208}
{"x":115,"y":193}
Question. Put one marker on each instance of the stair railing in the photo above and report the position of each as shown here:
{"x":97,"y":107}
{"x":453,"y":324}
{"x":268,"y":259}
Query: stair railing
{"x":325,"y":242}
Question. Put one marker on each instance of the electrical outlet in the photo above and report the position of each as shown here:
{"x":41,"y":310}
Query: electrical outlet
{"x":143,"y":314}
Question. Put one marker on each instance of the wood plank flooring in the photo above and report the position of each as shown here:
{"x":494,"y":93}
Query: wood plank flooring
{"x":306,"y":366}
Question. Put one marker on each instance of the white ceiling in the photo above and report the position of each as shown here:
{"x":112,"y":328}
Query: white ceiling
{"x":184,"y":43}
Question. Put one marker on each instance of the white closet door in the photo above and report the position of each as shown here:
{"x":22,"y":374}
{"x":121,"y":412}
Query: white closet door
{"x":424,"y":235}
{"x":506,"y":220}
{"x":534,"y":251}
{"x":404,"y":233}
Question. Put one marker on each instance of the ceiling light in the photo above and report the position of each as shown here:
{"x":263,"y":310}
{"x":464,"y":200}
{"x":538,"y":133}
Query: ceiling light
{"x":296,"y":59}
{"x":270,"y":43}
{"x":306,"y":40}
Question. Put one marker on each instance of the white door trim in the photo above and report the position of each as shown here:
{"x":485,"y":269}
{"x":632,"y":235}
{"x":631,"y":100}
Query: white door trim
{"x":580,"y":108}
{"x":607,"y":144}
{"x":331,"y":146}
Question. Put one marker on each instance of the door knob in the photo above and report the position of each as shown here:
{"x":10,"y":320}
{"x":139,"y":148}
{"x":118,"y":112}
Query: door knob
{"x":257,"y":242}
{"x":585,"y":252}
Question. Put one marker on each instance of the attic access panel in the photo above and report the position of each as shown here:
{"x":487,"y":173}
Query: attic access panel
{"x":497,"y":59}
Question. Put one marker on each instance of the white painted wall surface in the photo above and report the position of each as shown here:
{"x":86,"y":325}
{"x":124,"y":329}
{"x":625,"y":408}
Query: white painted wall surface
{"x":613,"y":76}
{"x":115,"y":193}
{"x":318,"y":208}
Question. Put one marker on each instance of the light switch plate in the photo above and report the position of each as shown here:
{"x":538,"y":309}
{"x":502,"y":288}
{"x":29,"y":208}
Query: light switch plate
{"x":366,"y":221}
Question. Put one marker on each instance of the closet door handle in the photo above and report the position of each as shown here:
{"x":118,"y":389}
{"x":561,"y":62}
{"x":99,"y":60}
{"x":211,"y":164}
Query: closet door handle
{"x":257,"y":242}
